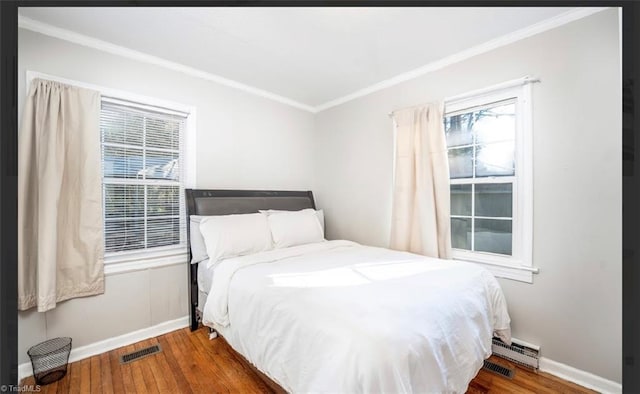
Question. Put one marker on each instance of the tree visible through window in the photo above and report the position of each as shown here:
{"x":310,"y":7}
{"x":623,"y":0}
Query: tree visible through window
{"x":142,"y":190}
{"x":481,"y":149}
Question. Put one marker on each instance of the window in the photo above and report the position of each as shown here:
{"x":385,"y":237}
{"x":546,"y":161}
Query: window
{"x":143,"y":193}
{"x":488,"y":143}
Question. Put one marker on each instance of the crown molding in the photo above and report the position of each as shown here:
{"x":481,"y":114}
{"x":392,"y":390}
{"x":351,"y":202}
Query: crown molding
{"x":77,"y":38}
{"x":81,"y":39}
{"x":490,"y":45}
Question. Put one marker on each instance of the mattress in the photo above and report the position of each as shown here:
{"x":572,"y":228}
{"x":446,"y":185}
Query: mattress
{"x":205,"y":276}
{"x":341,"y":317}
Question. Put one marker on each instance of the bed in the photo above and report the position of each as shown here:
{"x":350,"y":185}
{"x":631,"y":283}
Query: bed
{"x":336,"y":316}
{"x":228,"y":202}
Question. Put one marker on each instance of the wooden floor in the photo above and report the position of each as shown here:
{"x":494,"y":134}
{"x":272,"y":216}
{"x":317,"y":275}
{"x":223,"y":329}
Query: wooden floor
{"x":190,"y":363}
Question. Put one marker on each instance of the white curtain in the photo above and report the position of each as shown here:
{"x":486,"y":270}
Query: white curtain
{"x":60,"y":231}
{"x":420,"y":220}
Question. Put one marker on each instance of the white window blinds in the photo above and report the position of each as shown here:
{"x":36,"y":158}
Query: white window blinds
{"x":142,"y":161}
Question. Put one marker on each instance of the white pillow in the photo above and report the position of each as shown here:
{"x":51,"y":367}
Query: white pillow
{"x":290,"y":228}
{"x":198,"y":248}
{"x":319,"y":212}
{"x":235,"y":235}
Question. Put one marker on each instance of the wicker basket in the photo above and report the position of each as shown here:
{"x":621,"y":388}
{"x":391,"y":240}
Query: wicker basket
{"x":49,"y":359}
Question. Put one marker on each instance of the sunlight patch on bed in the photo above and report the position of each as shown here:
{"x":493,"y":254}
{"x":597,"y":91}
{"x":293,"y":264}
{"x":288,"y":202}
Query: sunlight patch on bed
{"x":355,"y":275}
{"x":336,"y":277}
{"x":396,"y":269}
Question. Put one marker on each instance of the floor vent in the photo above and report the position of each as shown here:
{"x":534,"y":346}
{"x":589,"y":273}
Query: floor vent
{"x":520,"y":354}
{"x":138,"y":354}
{"x":498,"y":369}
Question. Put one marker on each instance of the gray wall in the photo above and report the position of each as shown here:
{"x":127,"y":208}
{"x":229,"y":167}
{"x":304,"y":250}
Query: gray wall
{"x":573,"y":308}
{"x":243,"y":141}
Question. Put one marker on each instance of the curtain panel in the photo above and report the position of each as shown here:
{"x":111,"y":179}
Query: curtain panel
{"x":420,"y":221}
{"x":60,"y":219}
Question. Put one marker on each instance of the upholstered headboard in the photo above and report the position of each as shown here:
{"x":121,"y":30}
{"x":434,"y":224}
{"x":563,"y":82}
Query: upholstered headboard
{"x":228,"y":202}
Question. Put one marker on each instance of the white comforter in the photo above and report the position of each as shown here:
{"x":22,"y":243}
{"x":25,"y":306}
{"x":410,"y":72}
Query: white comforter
{"x":344,"y":318}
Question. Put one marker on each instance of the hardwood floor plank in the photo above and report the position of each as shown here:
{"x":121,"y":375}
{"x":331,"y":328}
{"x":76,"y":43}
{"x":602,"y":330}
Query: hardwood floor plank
{"x":74,"y":377}
{"x":220,"y":356}
{"x":85,"y":375}
{"x":105,"y":374}
{"x":130,"y":384}
{"x":172,"y":367}
{"x":147,"y":375}
{"x":136,"y":373}
{"x":63,"y":384}
{"x":49,"y":388}
{"x":28,"y":381}
{"x":116,"y":372}
{"x":191,"y":363}
{"x":162,"y":367}
{"x":538,"y":382}
{"x":95,"y":381}
{"x":162,"y":381}
{"x":221,"y":372}
{"x":186,"y":363}
{"x":201,"y":365}
{"x":556,"y":383}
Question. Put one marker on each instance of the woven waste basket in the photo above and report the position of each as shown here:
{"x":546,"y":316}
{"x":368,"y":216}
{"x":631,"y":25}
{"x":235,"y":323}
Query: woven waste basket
{"x":49,"y":359}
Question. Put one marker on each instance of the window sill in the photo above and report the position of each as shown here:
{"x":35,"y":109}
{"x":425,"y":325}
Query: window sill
{"x":130,"y":262}
{"x":511,"y":270}
{"x":513,"y":273}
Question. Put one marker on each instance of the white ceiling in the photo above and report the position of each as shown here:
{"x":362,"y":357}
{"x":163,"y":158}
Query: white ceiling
{"x":309,"y":55}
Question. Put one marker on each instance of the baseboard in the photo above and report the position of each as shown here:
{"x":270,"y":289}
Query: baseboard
{"x":583,"y":378}
{"x":575,"y":375}
{"x":82,"y":352}
{"x":555,"y":368}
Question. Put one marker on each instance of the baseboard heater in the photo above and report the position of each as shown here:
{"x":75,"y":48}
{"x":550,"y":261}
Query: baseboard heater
{"x":519,"y":353}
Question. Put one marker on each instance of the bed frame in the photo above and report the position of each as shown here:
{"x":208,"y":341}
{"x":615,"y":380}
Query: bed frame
{"x":227,"y":202}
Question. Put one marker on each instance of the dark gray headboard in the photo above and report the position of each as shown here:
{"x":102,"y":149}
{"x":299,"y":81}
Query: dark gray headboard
{"x":228,"y":202}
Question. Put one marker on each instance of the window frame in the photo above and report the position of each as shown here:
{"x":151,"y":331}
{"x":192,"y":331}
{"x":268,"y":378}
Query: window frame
{"x":149,"y":251}
{"x":518,"y":266}
{"x":135,"y":260}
